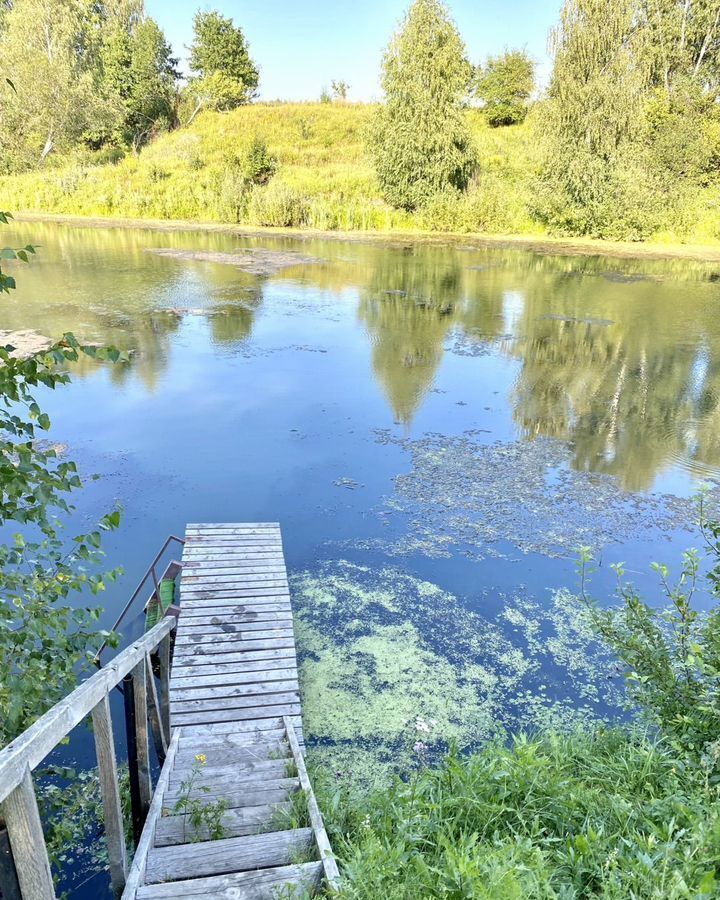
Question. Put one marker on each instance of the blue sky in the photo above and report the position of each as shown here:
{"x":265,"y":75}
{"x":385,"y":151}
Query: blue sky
{"x":301,"y":46}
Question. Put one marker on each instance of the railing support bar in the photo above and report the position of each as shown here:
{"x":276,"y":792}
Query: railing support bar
{"x":158,"y":731}
{"x":164,"y":660}
{"x":110,"y":788}
{"x":135,"y":804}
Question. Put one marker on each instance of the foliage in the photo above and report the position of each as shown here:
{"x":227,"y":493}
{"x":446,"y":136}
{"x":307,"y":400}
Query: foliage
{"x":419,"y":140}
{"x":671,"y":653}
{"x":86,"y":74}
{"x":43,"y":639}
{"x":339,"y":90}
{"x":629,"y":125}
{"x":593,"y":814}
{"x":55,"y":101}
{"x":260,"y":164}
{"x":139,"y":76}
{"x":201,"y":814}
{"x":219,"y":57}
{"x":505,"y":84}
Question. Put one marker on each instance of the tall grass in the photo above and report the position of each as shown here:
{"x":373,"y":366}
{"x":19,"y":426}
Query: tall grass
{"x":607,"y":814}
{"x":325,"y":179}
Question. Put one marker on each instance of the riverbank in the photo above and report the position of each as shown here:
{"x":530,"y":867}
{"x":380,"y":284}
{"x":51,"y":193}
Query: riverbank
{"x":543,"y":244}
{"x":603,"y":813}
{"x":317,"y":177}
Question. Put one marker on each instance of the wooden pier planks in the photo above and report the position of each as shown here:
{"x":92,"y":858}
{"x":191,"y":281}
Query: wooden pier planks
{"x":235,"y":658}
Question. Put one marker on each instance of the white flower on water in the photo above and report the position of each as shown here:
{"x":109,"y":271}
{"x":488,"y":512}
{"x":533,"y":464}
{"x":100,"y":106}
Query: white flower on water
{"x":422,"y":726}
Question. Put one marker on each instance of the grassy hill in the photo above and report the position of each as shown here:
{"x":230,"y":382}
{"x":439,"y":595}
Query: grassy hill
{"x":324,"y":179}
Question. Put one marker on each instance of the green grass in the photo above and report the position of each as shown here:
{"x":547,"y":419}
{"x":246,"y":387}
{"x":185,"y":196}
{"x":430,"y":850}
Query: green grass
{"x":325,"y":179}
{"x":607,"y":814}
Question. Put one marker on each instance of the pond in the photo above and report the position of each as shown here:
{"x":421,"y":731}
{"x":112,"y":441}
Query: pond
{"x":437,"y":426}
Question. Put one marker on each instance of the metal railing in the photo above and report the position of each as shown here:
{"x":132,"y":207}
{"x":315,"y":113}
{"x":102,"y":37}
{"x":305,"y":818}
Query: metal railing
{"x":150,"y":572}
{"x":143,"y":705}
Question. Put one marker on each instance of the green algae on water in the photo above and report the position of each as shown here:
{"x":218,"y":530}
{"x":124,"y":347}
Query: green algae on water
{"x":378,"y":648}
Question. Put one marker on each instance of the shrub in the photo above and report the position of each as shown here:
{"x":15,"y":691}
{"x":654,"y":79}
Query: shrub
{"x":277,"y":205}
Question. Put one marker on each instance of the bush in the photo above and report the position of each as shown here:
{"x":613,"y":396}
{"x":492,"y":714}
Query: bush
{"x":277,"y":205}
{"x":671,"y":654}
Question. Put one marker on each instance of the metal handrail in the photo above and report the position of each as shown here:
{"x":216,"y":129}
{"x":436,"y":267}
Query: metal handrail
{"x":149,"y":571}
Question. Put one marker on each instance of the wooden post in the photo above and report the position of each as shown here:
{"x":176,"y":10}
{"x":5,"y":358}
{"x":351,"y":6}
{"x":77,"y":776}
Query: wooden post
{"x":139,"y":676}
{"x":158,"y":730}
{"x":27,"y":840}
{"x":131,"y":732}
{"x":164,"y":659}
{"x":110,"y":787}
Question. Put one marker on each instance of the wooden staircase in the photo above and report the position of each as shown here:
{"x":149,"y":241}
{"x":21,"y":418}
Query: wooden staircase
{"x":259,"y":855}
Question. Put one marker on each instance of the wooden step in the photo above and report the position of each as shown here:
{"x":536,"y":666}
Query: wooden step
{"x":263,"y":885}
{"x":199,"y":860}
{"x":236,"y":823}
{"x":214,"y":776}
{"x":246,"y":793}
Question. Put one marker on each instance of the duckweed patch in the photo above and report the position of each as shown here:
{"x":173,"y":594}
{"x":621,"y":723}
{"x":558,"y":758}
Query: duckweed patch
{"x":461,"y":494}
{"x":380,"y":647}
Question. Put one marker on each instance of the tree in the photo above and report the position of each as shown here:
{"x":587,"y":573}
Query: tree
{"x":225,"y":75}
{"x":595,"y":180}
{"x":419,"y":139}
{"x":505,"y":85}
{"x":340,"y":90}
{"x":139,"y":75}
{"x":56,"y":100}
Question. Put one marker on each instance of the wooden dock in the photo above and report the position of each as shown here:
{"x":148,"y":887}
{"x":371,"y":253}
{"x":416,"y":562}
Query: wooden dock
{"x":235,"y":719}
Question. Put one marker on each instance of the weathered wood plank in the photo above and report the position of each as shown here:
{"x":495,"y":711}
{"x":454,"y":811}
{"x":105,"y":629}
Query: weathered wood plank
{"x":224,"y":562}
{"x":229,"y":855}
{"x":252,"y":640}
{"x":220,"y":778}
{"x":237,"y":606}
{"x":207,"y":692}
{"x":213,"y":634}
{"x":22,"y":819}
{"x":216,"y":615}
{"x":139,"y":675}
{"x":216,"y":625}
{"x":255,"y":793}
{"x":228,"y":704}
{"x":236,"y":573}
{"x":250,"y":741}
{"x":198,"y":717}
{"x":278,"y":593}
{"x":332,"y":875}
{"x":248,"y":661}
{"x":164,"y":660}
{"x":154,"y":713}
{"x":258,"y":885}
{"x":110,"y":790}
{"x":227,"y":754}
{"x":171,"y":830}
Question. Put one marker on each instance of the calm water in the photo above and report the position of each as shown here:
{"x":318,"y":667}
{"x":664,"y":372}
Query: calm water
{"x":436,"y":427}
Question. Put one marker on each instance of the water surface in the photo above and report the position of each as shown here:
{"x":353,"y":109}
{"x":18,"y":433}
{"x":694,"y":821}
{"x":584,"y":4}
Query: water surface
{"x":436,"y":426}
